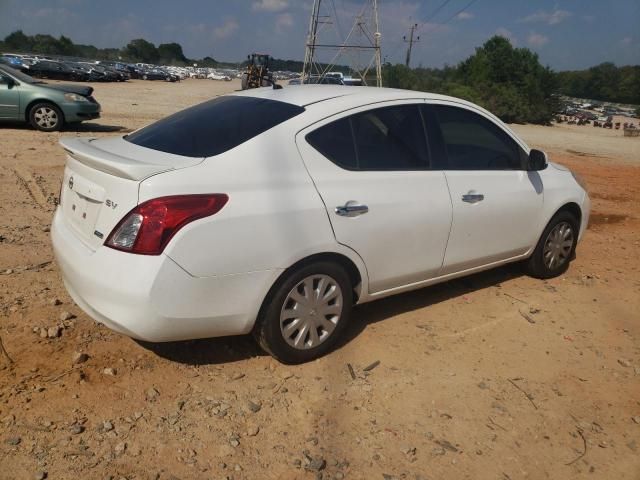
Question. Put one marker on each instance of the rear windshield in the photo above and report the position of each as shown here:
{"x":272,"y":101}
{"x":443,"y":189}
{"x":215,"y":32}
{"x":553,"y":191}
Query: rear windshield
{"x":215,"y":126}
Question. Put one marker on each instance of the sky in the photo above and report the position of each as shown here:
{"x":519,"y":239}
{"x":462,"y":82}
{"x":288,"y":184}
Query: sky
{"x":567,"y":34}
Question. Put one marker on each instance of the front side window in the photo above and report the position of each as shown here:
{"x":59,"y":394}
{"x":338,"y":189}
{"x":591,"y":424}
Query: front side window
{"x":475,"y":143}
{"x":389,"y":138}
{"x":214,"y":127}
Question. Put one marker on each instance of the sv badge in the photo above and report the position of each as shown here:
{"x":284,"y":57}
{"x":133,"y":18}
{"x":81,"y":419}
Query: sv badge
{"x":110,"y":204}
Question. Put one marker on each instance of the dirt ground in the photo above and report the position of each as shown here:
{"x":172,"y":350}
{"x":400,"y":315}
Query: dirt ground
{"x":495,"y":376}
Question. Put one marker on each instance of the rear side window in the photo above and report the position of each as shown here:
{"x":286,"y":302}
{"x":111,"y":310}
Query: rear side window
{"x":215,"y":126}
{"x":389,"y":138}
{"x":476,"y":143}
{"x":335,"y":141}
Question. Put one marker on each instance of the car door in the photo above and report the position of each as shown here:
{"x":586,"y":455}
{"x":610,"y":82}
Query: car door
{"x":372,"y":169}
{"x":9,"y":98}
{"x":496,"y":201}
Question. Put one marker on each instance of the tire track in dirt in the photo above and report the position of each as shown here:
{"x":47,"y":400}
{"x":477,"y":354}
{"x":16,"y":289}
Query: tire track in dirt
{"x":26,"y":180}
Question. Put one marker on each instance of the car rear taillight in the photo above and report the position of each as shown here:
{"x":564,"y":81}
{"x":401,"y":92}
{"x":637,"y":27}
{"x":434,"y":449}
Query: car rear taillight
{"x":148,"y":228}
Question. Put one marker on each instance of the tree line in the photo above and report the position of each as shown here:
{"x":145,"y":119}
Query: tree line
{"x":603,"y":82}
{"x":510,"y":82}
{"x":514,"y":85}
{"x":138,"y":50}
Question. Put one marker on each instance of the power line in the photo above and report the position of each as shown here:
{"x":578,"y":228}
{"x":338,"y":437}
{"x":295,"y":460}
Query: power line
{"x":434,"y":13}
{"x":439,"y":25}
{"x":422,"y":22}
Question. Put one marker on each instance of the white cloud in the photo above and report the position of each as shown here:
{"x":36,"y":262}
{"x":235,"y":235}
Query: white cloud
{"x":465,"y":16}
{"x":508,"y":34}
{"x":283,"y":22}
{"x":550,"y":18}
{"x":537,"y":40}
{"x":626,"y":41}
{"x":226,"y":29}
{"x":269,"y":5}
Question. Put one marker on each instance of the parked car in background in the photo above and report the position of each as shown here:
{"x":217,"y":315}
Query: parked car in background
{"x":158,"y":74}
{"x":48,"y":69}
{"x":218,"y":76}
{"x":275,"y":211}
{"x":88,"y":73}
{"x":46,"y":107}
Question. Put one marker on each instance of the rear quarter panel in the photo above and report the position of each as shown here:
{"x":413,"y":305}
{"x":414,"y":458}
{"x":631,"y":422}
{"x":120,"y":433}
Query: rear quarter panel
{"x":274,"y":216}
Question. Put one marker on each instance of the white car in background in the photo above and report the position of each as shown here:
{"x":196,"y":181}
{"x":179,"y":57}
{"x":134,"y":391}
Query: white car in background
{"x":218,"y":76}
{"x":275,"y":211}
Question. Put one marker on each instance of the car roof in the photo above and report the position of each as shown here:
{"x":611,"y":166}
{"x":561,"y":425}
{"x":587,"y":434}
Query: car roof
{"x":304,"y":95}
{"x":329,"y":99}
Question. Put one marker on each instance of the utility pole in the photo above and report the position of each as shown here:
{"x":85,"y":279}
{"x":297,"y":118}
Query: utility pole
{"x":411,"y":41}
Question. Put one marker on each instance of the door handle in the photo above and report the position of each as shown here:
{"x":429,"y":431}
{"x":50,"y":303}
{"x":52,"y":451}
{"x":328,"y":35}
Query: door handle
{"x":351,"y":209}
{"x":472,"y":197}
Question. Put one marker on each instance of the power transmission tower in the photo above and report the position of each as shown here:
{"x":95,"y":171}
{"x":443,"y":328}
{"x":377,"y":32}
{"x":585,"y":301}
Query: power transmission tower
{"x":411,"y":41}
{"x":326,"y":43}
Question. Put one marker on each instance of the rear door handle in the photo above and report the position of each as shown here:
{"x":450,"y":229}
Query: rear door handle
{"x":351,"y":209}
{"x":472,"y":197}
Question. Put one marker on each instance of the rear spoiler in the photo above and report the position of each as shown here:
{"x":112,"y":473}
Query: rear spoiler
{"x":82,"y":150}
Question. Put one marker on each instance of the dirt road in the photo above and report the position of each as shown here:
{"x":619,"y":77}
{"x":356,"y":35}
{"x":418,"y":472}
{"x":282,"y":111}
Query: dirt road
{"x":496,"y":376}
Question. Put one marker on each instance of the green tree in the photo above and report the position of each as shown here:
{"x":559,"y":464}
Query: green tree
{"x":207,"y":62}
{"x":18,"y":41}
{"x":508,"y":81}
{"x":171,"y":54}
{"x":141,"y":50}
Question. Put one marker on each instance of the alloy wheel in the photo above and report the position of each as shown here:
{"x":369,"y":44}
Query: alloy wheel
{"x":46,"y":117}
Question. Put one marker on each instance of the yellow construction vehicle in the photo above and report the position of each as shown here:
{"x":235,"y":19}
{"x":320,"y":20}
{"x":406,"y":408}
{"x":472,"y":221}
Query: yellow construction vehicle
{"x":257,"y":74}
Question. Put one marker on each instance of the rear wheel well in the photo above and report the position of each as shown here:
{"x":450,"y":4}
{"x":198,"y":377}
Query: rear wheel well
{"x":342,"y":260}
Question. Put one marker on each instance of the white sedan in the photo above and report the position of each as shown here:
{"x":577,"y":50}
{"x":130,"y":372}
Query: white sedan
{"x":274,"y":211}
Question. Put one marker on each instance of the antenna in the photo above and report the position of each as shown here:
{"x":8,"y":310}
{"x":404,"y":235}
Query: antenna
{"x":326,"y":44}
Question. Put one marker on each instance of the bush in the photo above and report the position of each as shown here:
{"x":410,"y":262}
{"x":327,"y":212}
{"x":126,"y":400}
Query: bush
{"x":510,"y":82}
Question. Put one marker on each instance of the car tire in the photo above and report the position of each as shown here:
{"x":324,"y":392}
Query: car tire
{"x":556,"y":247}
{"x":322,"y":294}
{"x":144,"y":77}
{"x":46,"y":117}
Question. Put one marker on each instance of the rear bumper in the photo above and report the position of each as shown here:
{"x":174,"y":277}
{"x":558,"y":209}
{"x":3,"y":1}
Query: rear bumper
{"x":150,"y":297}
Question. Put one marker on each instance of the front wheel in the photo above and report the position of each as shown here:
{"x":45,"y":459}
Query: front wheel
{"x":304,"y":316}
{"x":46,"y":117}
{"x":556,"y":247}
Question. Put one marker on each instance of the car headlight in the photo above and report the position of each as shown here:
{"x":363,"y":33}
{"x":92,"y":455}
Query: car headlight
{"x":74,"y":97}
{"x":579,"y":180}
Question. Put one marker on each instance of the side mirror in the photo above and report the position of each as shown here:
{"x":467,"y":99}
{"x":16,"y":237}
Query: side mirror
{"x":8,"y":81}
{"x":537,"y":160}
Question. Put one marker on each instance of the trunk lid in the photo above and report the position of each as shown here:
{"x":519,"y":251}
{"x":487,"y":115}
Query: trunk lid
{"x":101,"y":182}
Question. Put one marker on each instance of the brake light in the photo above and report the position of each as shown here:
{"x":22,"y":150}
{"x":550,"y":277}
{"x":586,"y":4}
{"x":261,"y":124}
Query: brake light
{"x":148,"y":228}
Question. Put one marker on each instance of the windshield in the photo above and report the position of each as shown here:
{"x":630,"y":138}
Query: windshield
{"x":18,"y":75}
